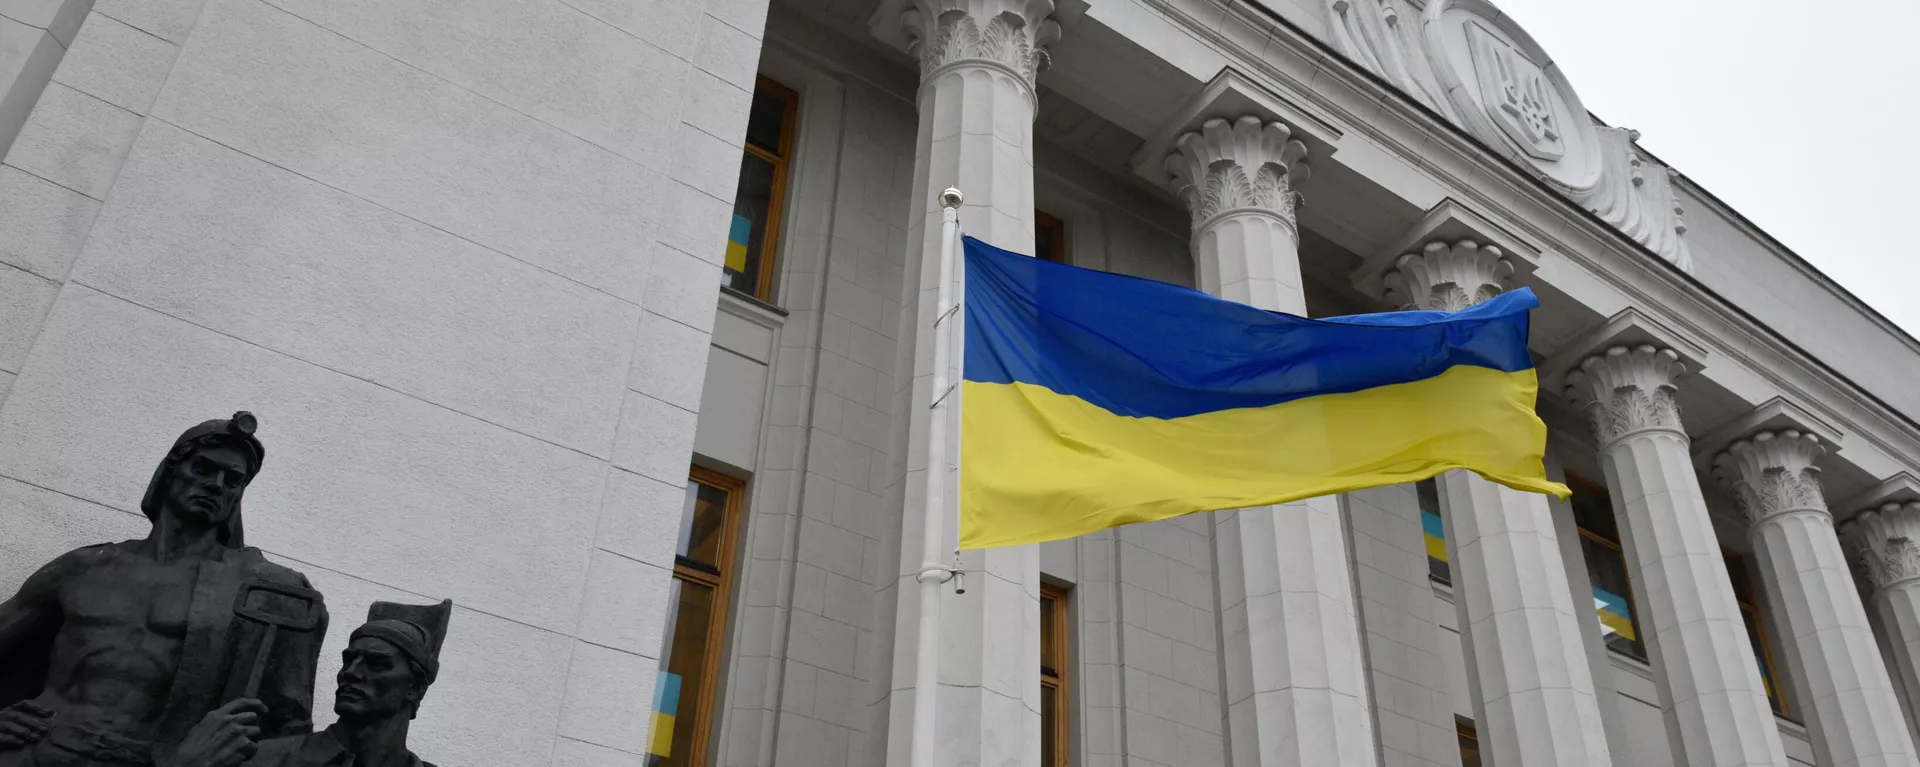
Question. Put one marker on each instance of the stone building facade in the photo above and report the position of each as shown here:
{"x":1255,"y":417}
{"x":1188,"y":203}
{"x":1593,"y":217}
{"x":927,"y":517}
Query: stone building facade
{"x":609,"y":320}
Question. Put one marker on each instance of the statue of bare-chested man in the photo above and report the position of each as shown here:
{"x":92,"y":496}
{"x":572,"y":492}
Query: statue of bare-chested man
{"x":111,"y":654}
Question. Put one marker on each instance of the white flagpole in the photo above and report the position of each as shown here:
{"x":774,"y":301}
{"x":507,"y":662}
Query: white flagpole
{"x":933,"y":575}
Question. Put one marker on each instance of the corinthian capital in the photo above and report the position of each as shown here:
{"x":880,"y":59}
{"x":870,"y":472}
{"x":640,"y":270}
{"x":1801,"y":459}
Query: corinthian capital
{"x":1010,"y":33}
{"x":1772,"y":473}
{"x":1883,"y":545}
{"x":1626,"y":390}
{"x":1246,"y":163}
{"x":1448,"y":278}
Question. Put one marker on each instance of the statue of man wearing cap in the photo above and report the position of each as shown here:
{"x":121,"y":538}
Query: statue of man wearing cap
{"x":384,"y":672}
{"x":111,"y":654}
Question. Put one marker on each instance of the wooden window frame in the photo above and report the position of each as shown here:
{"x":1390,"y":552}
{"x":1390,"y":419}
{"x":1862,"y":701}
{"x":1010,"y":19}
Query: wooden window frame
{"x":1055,"y":230}
{"x":1057,"y":679}
{"x":1465,"y":730}
{"x":781,"y":161}
{"x":722,"y":584}
{"x":1749,"y":604}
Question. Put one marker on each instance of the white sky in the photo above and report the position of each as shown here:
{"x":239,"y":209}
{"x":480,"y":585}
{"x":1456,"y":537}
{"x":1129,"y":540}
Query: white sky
{"x":1804,"y":116}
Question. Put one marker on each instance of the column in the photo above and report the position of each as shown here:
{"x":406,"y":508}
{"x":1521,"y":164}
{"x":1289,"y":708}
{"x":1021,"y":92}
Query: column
{"x":1885,"y":546}
{"x":1296,"y":686}
{"x":1851,"y":711}
{"x":978,"y":60}
{"x":1715,"y":708}
{"x":1524,"y":647}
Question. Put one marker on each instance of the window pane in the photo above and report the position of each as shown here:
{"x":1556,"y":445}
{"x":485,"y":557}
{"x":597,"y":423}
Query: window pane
{"x":1752,"y":618}
{"x":1049,"y":238}
{"x":1049,"y":726}
{"x":1428,"y":492}
{"x":1047,"y":636}
{"x":752,"y":209}
{"x":1593,"y":510}
{"x":1469,"y":751}
{"x":766,"y":121}
{"x":701,"y":523}
{"x":1612,"y":597}
{"x":682,"y":670}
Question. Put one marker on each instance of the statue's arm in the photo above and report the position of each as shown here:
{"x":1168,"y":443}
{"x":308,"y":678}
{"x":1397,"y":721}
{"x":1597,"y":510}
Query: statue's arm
{"x":29,"y":621}
{"x":33,"y":612}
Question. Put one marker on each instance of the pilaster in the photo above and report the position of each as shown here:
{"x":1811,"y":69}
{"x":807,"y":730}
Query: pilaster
{"x":1850,"y":707}
{"x":1524,"y":649}
{"x":1883,"y":544}
{"x":1624,"y":375}
{"x":978,"y":62}
{"x":1296,"y":685}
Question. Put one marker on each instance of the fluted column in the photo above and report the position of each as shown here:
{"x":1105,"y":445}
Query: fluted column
{"x":1536,"y":704}
{"x":1851,"y":710}
{"x":1884,"y":544}
{"x":1296,"y":686}
{"x":978,"y":62}
{"x":1715,"y":708}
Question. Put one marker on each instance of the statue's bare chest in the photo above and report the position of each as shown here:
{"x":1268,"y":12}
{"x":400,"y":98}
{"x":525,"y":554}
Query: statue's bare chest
{"x":131,"y":594}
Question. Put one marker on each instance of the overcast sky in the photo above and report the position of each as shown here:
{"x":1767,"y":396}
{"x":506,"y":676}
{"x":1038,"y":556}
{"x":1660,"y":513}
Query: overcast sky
{"x":1803,"y":116}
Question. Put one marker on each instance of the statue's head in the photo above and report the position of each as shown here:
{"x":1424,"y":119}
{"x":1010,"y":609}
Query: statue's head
{"x":391,"y":661}
{"x":202,"y":478}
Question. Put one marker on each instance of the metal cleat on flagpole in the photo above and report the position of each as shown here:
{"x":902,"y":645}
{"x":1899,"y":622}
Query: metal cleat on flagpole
{"x":933,"y":574}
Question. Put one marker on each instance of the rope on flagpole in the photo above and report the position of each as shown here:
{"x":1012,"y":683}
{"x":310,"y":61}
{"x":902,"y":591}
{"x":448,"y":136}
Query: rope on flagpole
{"x":933,"y":574}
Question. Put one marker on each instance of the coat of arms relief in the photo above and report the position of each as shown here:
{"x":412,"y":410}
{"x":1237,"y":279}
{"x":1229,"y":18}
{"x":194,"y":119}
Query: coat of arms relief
{"x":1477,"y":68}
{"x":1516,"y":93}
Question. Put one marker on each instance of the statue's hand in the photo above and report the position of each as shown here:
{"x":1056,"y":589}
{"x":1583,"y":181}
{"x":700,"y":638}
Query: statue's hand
{"x":23,"y":724}
{"x":224,"y":738}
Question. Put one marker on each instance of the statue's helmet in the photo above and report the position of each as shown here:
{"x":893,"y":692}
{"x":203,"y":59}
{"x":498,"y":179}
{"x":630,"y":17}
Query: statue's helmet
{"x":236,"y":431}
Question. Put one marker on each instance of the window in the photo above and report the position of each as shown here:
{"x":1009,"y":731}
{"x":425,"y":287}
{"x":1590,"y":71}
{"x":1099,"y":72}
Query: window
{"x":696,"y":624}
{"x":1469,"y":741}
{"x":1053,"y":677}
{"x":1049,"y":238}
{"x":1756,"y":629}
{"x":753,"y":236}
{"x":1428,"y":491}
{"x":1606,"y":567}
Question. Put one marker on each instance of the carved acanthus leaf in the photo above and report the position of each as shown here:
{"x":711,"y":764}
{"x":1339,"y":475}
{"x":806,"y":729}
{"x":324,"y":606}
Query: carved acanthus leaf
{"x":1773,"y":473}
{"x":1448,"y":278}
{"x":956,"y":34}
{"x":1883,"y":545}
{"x":1627,"y":390}
{"x":1245,"y":163}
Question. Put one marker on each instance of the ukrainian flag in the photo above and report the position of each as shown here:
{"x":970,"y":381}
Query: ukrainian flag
{"x":1093,"y":400}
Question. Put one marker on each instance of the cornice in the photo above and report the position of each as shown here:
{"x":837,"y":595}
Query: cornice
{"x":1630,"y":270}
{"x":1793,"y":259}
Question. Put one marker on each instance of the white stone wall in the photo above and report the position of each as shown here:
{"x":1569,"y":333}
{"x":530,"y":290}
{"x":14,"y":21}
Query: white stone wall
{"x":461,"y":271}
{"x":1403,"y":642}
{"x":1735,"y":261}
{"x":811,"y":652}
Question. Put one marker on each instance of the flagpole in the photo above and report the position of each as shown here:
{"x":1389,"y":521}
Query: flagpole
{"x":933,"y":574}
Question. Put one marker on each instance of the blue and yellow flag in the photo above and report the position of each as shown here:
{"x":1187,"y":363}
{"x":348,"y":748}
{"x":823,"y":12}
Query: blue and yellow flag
{"x":1093,"y":400}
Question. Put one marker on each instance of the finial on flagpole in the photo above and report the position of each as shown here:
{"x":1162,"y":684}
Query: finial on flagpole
{"x":950,"y":198}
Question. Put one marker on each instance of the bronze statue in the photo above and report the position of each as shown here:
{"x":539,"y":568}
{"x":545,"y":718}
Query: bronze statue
{"x":111,"y":654}
{"x":384,"y":672}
